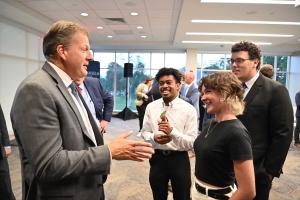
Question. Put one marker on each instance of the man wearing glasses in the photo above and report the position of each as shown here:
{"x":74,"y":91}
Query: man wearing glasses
{"x":268,"y":116}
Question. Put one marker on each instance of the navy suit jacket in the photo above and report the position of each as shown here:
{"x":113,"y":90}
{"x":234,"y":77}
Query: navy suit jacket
{"x":102,"y":99}
{"x":268,"y":116}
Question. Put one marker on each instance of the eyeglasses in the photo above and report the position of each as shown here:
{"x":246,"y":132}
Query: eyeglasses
{"x":238,"y":61}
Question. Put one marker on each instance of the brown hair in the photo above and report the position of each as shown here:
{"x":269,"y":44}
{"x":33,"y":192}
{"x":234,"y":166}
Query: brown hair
{"x":267,"y":70}
{"x":252,"y":49}
{"x":230,"y":88}
{"x":60,"y":33}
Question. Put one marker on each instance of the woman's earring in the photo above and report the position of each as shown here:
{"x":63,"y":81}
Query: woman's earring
{"x":222,"y":99}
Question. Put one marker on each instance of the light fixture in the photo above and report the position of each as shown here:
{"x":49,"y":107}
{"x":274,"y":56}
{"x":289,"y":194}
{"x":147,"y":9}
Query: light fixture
{"x":134,"y":13}
{"x":143,"y":36}
{"x":109,"y":36}
{"x":84,"y":14}
{"x":251,"y":2}
{"x":99,"y":27}
{"x":139,"y":27}
{"x":204,"y":21}
{"x":219,"y":42}
{"x":240,"y":34}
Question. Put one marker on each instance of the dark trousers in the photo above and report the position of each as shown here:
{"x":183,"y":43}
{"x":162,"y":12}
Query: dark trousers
{"x":141,"y":112}
{"x":263,"y":186}
{"x":175,"y":167}
{"x":5,"y":184}
{"x":297,"y":131}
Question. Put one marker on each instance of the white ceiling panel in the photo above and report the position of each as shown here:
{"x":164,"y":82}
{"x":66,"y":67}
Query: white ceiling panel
{"x":165,"y":22}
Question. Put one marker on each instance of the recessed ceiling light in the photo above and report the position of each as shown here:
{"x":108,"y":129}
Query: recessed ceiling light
{"x":243,"y":22}
{"x":99,"y":27}
{"x":143,"y":36}
{"x":84,"y":14}
{"x":109,"y":36}
{"x":250,"y":1}
{"x":219,"y":42}
{"x":134,"y":13}
{"x":139,"y":27}
{"x":240,"y":34}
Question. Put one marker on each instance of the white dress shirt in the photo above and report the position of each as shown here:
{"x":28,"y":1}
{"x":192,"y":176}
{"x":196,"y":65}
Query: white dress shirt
{"x":182,"y":118}
{"x":67,"y":82}
{"x":250,"y":83}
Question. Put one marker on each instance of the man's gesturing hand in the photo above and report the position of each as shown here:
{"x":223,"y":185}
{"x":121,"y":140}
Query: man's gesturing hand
{"x":123,"y":149}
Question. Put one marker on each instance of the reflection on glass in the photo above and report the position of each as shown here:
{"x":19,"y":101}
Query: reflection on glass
{"x":269,"y":60}
{"x":214,"y":61}
{"x":281,"y":77}
{"x":281,"y":63}
{"x":118,"y":74}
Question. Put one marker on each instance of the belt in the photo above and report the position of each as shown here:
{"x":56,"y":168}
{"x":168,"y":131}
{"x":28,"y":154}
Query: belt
{"x":167,"y":152}
{"x":214,"y":193}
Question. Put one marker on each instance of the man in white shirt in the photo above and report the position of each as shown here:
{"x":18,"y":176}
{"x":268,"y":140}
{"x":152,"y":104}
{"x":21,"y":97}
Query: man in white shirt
{"x":170,"y":125}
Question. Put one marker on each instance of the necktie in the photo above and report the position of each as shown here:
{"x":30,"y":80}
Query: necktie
{"x":95,"y":128}
{"x":79,"y":89}
{"x":244,"y":85}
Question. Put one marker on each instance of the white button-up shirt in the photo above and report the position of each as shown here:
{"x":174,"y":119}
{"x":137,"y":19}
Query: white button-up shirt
{"x":182,"y":118}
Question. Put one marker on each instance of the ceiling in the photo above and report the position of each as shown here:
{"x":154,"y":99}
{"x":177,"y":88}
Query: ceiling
{"x":164,"y":22}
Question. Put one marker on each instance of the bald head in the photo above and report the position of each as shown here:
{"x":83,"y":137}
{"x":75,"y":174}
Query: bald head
{"x":189,"y":76}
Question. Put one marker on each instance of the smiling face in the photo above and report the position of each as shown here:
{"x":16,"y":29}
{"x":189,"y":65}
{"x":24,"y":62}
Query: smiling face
{"x":76,"y":56}
{"x":242,"y":66}
{"x":211,"y":99}
{"x":168,"y":88}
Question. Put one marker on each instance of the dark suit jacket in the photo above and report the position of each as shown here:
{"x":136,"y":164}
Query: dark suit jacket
{"x":4,"y":139}
{"x":297,"y":101}
{"x":102,"y":99}
{"x":59,"y":160}
{"x":268,"y":116}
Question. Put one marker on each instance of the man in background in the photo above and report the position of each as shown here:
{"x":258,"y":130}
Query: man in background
{"x":99,"y":101}
{"x":297,"y":128}
{"x":267,"y":70}
{"x":62,"y":152}
{"x":268,"y":116}
{"x":5,"y":151}
{"x":190,"y":89}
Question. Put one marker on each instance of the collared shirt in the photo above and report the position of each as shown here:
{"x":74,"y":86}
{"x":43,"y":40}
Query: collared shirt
{"x":182,"y":118}
{"x":250,"y":83}
{"x":87,"y":98}
{"x":67,"y":82}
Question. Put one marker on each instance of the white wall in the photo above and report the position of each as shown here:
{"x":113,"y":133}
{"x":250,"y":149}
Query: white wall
{"x":20,"y":55}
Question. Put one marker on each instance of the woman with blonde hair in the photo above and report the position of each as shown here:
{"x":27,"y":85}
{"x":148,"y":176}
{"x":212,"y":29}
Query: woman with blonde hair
{"x":142,"y":98}
{"x":223,"y":150}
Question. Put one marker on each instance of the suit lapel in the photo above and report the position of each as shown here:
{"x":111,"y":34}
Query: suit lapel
{"x":254,"y":90}
{"x":64,"y":91}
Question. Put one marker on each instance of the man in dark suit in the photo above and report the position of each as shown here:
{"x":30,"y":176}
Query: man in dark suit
{"x":102,"y":100}
{"x":61,"y":148}
{"x":5,"y":150}
{"x":268,"y":116}
{"x":297,"y":128}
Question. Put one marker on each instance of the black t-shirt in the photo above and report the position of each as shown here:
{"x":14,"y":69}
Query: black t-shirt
{"x":216,"y":150}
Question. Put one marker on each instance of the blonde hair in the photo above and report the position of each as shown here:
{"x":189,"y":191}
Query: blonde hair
{"x":230,"y":88}
{"x":60,"y":33}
